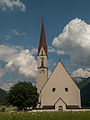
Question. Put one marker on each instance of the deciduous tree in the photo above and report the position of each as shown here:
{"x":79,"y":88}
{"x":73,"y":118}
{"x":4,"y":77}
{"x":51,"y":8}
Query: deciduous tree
{"x":23,"y":95}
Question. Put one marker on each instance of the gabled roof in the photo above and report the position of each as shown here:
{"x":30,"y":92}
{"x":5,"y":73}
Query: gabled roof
{"x":42,"y":40}
{"x":61,"y":100}
{"x":59,"y":62}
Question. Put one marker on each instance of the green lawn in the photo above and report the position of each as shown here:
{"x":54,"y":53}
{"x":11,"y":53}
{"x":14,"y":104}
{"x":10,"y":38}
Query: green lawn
{"x":45,"y":116}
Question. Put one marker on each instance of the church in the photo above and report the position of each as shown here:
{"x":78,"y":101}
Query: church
{"x":59,"y":91}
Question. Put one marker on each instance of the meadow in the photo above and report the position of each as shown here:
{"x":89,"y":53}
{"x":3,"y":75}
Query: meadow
{"x":45,"y":115}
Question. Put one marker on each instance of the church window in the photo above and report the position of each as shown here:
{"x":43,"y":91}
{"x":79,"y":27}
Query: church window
{"x":53,"y":89}
{"x":66,"y":89}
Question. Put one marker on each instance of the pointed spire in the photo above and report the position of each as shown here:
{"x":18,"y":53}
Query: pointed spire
{"x":42,"y":39}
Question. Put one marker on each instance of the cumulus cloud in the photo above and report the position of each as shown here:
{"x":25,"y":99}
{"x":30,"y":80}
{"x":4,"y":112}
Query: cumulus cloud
{"x":18,"y":59}
{"x":6,"y":52}
{"x":16,"y":64}
{"x":81,"y":73}
{"x":6,"y":87}
{"x":24,"y":62}
{"x":75,"y":40}
{"x":11,"y":4}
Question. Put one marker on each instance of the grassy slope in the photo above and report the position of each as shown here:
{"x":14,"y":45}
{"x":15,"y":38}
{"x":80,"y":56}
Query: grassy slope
{"x":46,"y":116}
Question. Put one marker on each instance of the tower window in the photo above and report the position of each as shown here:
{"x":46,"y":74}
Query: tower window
{"x":66,"y":89}
{"x":53,"y":89}
{"x":42,"y":52}
{"x":42,"y":62}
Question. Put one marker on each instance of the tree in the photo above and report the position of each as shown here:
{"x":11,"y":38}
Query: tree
{"x":23,"y":95}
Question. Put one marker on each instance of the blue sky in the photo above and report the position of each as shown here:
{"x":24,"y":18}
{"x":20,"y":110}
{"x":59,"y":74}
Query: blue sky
{"x":20,"y":27}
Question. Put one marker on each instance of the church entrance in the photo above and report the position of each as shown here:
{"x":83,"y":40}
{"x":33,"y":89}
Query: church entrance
{"x":60,"y":108}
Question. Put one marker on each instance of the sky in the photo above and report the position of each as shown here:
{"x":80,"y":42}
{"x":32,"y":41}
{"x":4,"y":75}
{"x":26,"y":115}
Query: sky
{"x":67,"y":29}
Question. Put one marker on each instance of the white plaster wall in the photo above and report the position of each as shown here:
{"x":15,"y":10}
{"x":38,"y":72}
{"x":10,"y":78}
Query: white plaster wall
{"x":60,"y":80}
{"x":42,"y":76}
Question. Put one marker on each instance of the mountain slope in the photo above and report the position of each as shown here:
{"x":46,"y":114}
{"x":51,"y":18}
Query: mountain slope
{"x":83,"y":83}
{"x":3,"y":97}
{"x":85,"y":92}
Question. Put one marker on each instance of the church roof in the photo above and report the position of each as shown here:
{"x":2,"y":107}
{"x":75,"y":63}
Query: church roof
{"x":59,"y":66}
{"x":42,"y":40}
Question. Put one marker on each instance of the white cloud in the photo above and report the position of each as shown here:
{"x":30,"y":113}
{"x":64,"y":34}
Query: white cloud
{"x":88,"y":69}
{"x":53,"y":50}
{"x":81,"y":73}
{"x":18,"y":59}
{"x":34,"y":51}
{"x":6,"y":87}
{"x":24,"y":62}
{"x":7,"y":37}
{"x":11,"y":4}
{"x":1,"y":72}
{"x":60,"y":52}
{"x":18,"y":33}
{"x":6,"y":52}
{"x":75,"y":40}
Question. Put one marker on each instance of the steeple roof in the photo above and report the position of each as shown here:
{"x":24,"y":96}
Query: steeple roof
{"x":42,"y":39}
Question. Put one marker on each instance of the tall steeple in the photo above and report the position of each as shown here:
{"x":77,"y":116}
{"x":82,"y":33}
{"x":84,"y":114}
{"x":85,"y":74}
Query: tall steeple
{"x":42,"y":39}
{"x":42,"y":60}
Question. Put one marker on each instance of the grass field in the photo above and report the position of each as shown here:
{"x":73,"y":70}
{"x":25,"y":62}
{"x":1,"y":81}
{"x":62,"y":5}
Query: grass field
{"x":45,"y":116}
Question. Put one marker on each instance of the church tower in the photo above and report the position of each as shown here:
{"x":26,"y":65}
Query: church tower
{"x":42,"y":60}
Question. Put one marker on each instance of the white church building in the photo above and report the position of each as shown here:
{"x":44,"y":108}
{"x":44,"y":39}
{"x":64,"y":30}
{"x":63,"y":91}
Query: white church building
{"x":59,"y":90}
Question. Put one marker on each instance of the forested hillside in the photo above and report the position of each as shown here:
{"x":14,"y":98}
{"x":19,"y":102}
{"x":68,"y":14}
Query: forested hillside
{"x":3,"y":97}
{"x":85,"y":92}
